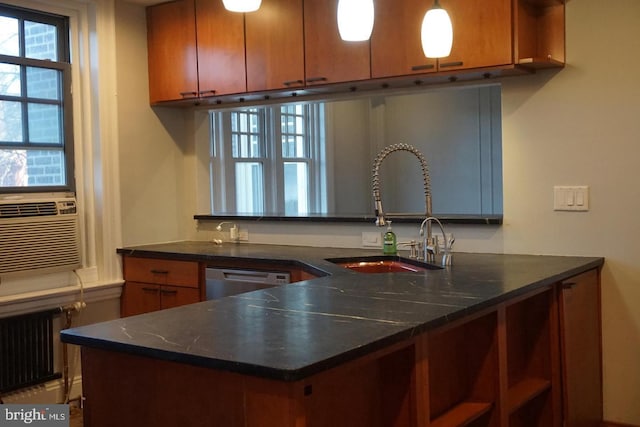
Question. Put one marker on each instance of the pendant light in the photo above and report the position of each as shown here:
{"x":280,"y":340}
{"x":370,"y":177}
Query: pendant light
{"x":437,"y":32}
{"x":355,"y":19}
{"x":242,"y":5}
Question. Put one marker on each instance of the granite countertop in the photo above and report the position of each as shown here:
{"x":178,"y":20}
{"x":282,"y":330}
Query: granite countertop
{"x":294,"y":331}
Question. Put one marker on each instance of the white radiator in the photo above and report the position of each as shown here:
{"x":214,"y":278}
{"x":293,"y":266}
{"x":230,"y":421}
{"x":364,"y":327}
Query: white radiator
{"x":39,"y":236}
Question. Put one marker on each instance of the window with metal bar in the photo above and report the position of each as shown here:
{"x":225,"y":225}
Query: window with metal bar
{"x":36,"y":142}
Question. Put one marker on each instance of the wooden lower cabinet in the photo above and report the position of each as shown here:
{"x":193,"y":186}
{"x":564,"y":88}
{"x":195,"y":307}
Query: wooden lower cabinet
{"x":531,"y":361}
{"x":157,"y":283}
{"x":580,"y":334}
{"x":141,"y":298}
{"x":154,"y":284}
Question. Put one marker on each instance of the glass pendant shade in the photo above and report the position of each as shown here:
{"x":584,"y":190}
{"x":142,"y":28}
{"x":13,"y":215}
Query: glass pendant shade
{"x":437,"y":33}
{"x":355,"y":19}
{"x":242,"y":5}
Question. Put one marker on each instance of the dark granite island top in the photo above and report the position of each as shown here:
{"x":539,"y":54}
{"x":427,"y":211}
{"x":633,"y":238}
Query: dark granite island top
{"x":291,"y":332}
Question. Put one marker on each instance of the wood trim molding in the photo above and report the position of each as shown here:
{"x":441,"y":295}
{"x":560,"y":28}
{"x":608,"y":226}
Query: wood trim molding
{"x":612,"y":424}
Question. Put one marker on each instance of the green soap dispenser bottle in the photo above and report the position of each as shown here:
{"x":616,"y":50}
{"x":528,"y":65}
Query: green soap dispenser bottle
{"x":389,"y":246}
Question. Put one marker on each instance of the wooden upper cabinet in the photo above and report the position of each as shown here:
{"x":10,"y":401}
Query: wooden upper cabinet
{"x":396,"y":48}
{"x":221,"y":56}
{"x":329,"y":59}
{"x":482,"y":34}
{"x":171,"y":44}
{"x":274,"y":46}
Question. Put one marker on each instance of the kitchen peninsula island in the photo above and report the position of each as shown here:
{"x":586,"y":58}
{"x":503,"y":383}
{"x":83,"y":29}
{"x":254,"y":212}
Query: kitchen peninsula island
{"x":494,"y":340}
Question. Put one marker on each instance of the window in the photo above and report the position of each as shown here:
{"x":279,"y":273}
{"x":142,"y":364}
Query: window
{"x":267,"y":160}
{"x":36,"y":144}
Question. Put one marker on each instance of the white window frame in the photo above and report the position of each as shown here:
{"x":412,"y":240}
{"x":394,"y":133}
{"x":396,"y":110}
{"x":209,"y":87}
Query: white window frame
{"x":222,"y":164}
{"x":93,"y":70}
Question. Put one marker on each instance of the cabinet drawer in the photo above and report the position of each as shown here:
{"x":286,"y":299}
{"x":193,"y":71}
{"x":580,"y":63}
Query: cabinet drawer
{"x":161,"y":271}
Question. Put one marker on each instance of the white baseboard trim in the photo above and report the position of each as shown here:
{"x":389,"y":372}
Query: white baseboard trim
{"x":60,"y":297}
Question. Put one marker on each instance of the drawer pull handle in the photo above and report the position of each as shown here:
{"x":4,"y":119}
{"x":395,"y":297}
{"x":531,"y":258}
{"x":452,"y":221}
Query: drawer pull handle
{"x":422,"y":67}
{"x":154,"y":290}
{"x":154,"y":271}
{"x":451,"y":64}
{"x":316,"y":79}
{"x":568,"y":285}
{"x":293,"y":82}
{"x":188,"y":94}
{"x":166,"y":292}
{"x":211,"y":92}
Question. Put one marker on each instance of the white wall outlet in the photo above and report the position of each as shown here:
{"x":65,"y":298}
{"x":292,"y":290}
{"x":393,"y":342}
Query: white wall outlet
{"x":571,"y":198}
{"x":243,"y":235}
{"x":371,"y":239}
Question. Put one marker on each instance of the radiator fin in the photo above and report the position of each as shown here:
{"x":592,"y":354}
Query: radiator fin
{"x":26,"y":350}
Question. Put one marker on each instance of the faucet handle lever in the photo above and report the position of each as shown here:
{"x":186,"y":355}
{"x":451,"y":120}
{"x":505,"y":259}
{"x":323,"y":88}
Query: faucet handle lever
{"x":413,"y":248}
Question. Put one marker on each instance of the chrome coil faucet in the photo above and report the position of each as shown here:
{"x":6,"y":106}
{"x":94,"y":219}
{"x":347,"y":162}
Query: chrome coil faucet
{"x":428,"y":245}
{"x":380,"y":221}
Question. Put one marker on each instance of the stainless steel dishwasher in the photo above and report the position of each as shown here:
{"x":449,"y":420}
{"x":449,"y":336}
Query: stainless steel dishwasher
{"x":224,"y":282}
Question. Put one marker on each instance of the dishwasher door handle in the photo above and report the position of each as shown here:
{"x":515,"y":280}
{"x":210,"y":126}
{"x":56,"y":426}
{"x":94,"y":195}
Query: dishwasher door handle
{"x":247,"y":276}
{"x":253,"y":276}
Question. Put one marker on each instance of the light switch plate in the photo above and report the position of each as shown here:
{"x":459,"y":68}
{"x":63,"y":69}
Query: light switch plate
{"x":571,"y":198}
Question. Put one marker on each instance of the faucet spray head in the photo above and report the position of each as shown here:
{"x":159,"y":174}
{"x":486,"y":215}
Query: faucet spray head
{"x":380,"y":221}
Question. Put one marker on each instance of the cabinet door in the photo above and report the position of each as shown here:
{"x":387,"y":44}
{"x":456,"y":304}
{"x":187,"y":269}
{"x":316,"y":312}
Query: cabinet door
{"x":173,"y":296}
{"x":396,"y":48}
{"x":221,"y":64}
{"x":274,"y":46}
{"x":581,"y":350}
{"x":329,"y":59}
{"x":482,"y":35}
{"x":138,"y":298}
{"x":171,"y":44}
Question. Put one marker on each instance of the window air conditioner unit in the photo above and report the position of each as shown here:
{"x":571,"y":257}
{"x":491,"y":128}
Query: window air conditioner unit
{"x":39,"y":236}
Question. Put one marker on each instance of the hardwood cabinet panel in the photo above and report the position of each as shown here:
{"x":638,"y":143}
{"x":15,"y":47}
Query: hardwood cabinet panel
{"x":139,"y":298}
{"x":539,"y":33}
{"x":464,"y":373}
{"x":482,"y":34}
{"x":533,"y":362}
{"x":161,"y":271}
{"x":274,"y":46}
{"x":329,"y":59}
{"x":396,"y":48}
{"x":171,"y":44}
{"x":174,"y":296}
{"x":221,"y":56}
{"x":581,"y":349}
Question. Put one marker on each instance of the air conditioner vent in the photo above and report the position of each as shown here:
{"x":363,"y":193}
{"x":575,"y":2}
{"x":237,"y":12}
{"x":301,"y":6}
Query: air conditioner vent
{"x":39,"y":235}
{"x":23,"y":210}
